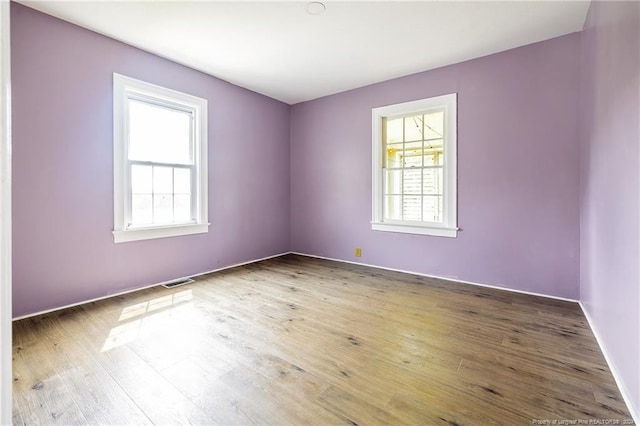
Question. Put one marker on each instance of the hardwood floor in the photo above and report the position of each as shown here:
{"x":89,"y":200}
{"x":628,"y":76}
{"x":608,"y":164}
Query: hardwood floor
{"x":295,"y":340}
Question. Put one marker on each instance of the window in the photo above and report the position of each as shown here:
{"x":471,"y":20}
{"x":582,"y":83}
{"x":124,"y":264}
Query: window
{"x":414,"y":167}
{"x":160,"y":161}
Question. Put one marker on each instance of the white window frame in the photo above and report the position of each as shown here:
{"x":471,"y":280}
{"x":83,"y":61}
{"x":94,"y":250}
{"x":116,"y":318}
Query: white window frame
{"x":125,"y":88}
{"x":448,"y":227}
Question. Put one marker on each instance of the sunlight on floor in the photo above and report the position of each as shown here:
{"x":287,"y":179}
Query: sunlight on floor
{"x":129,"y":331}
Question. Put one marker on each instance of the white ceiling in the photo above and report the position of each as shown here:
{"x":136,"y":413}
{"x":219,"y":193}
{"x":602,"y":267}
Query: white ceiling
{"x":277,"y":49}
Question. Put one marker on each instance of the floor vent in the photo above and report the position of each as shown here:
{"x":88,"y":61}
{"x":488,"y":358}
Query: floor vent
{"x":176,"y":283}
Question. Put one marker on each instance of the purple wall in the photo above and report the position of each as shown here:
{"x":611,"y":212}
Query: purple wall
{"x":518,"y":174}
{"x":610,"y":185}
{"x":526,"y":204}
{"x":63,"y":250}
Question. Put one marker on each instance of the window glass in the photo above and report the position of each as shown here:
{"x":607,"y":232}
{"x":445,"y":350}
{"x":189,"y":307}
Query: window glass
{"x":420,"y":161}
{"x":159,"y":134}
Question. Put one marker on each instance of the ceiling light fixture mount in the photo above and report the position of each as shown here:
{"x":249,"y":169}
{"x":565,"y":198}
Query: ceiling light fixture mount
{"x":316,"y":8}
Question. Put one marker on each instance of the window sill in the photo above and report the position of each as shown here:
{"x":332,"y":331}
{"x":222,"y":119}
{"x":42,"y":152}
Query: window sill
{"x":123,"y":236}
{"x":436,"y":231}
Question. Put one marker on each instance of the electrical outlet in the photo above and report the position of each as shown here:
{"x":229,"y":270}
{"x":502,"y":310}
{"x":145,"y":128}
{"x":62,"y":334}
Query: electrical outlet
{"x":358,"y":251}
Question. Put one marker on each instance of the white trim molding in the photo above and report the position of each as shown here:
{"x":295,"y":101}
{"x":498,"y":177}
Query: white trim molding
{"x":299,"y":254}
{"x":612,"y":367}
{"x":616,"y":375}
{"x":436,"y":231}
{"x":133,"y":234}
{"x":404,"y":271}
{"x":6,"y":373}
{"x":96,"y":299}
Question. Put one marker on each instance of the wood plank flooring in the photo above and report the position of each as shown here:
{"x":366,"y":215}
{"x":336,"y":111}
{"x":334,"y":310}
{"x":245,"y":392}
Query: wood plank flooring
{"x":296,"y":340}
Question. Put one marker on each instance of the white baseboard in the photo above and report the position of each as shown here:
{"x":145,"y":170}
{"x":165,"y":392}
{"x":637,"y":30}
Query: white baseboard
{"x":614,"y":372}
{"x":440,"y":278}
{"x":71,"y":305}
{"x":616,"y":376}
{"x":146,"y":286}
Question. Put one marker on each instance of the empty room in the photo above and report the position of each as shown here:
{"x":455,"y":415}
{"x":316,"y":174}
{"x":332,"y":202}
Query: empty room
{"x":283,"y":213}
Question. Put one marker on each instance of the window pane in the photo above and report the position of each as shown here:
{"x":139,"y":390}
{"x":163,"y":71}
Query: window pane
{"x":141,"y":179}
{"x":393,"y":207}
{"x":434,"y":125}
{"x":163,"y":208}
{"x":394,"y":155}
{"x":433,"y":145}
{"x":432,"y":208}
{"x":413,"y":128}
{"x":141,"y":209}
{"x":432,"y":181}
{"x":393,"y":182}
{"x":162,"y":180}
{"x":182,"y":208}
{"x":433,"y":157}
{"x":412,"y":156}
{"x":412,"y":181}
{"x":411,"y":207}
{"x":171,"y":200}
{"x":182,"y":181}
{"x":394,"y":130}
{"x":159,"y":134}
